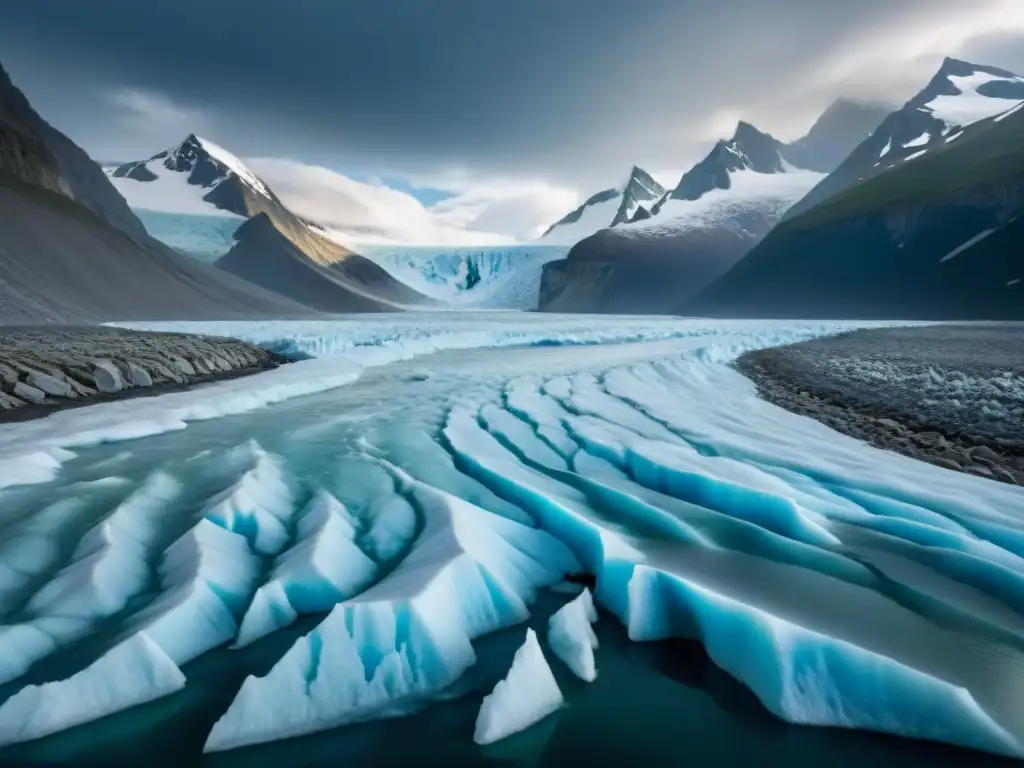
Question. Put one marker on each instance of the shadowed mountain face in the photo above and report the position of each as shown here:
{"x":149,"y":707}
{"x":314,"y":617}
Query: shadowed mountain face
{"x":274,"y":248}
{"x":304,"y":266}
{"x":73,"y":251}
{"x":33,"y":151}
{"x":840,"y":128}
{"x":935,"y":237}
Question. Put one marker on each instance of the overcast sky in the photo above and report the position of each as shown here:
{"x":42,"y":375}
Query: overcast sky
{"x":519,"y":107}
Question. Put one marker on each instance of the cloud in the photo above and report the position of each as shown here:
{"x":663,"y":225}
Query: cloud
{"x":148,"y":113}
{"x":476,"y":211}
{"x":528,"y":90}
{"x":365,"y":212}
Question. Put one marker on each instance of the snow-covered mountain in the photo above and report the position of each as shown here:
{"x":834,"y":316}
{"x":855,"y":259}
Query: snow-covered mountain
{"x":607,"y":208}
{"x":73,"y":251}
{"x":840,"y":128}
{"x":194,"y":177}
{"x":959,"y":95}
{"x":203,"y":200}
{"x":719,"y":209}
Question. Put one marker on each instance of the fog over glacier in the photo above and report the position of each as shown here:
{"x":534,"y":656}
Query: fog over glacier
{"x":345,"y":533}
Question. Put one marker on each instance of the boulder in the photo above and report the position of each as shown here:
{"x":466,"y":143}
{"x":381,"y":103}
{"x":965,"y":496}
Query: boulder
{"x":28,"y":393}
{"x":107,"y":375}
{"x":50,"y":384}
{"x":8,"y":375}
{"x":985,"y":454}
{"x":9,"y":402}
{"x":138,"y":375}
{"x":81,"y":389}
{"x":184,"y":366}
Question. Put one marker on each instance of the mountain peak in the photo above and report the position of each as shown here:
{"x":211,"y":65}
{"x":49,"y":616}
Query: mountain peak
{"x":748,"y":132}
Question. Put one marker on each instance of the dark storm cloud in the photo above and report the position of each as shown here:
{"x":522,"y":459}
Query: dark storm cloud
{"x":564,"y":89}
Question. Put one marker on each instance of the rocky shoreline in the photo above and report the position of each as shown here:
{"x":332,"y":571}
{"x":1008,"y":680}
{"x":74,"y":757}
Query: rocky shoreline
{"x":45,"y":369}
{"x":948,"y":395}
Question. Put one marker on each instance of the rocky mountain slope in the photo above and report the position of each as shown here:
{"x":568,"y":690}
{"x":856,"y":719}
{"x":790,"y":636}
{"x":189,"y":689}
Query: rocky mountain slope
{"x":72,"y":250}
{"x":935,"y":237}
{"x":273,"y":247}
{"x":958,"y":95}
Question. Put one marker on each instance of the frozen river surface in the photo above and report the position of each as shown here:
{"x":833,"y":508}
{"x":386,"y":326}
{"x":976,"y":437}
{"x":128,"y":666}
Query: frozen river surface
{"x":368,"y":532}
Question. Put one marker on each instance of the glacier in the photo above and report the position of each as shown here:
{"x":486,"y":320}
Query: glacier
{"x":526,"y":696}
{"x":466,"y":277}
{"x":412,"y":484}
{"x":571,"y":637}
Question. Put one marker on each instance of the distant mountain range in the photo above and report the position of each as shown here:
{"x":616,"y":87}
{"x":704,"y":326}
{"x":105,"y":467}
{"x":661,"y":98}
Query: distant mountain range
{"x":912,"y":213}
{"x":679,"y":240}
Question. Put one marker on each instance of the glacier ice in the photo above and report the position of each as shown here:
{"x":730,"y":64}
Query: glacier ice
{"x":323,"y":568}
{"x":808,"y":678}
{"x":132,"y":673}
{"x":571,"y":636}
{"x":506,"y":277}
{"x":407,"y":637}
{"x":259,"y":506}
{"x":207,"y":577}
{"x":109,"y":566}
{"x":526,"y":696}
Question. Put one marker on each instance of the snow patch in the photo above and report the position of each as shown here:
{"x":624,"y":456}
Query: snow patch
{"x":919,"y":141}
{"x":972,"y":242}
{"x":968,"y":106}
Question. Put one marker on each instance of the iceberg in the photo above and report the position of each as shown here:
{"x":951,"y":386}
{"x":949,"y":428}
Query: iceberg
{"x":132,"y":673}
{"x":323,"y":568}
{"x":571,"y":636}
{"x":409,"y":636}
{"x":526,"y":696}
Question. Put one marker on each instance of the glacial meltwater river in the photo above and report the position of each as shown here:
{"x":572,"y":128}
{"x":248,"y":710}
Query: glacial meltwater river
{"x":376,"y":525}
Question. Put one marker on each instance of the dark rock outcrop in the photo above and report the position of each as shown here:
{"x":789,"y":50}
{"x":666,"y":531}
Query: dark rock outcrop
{"x":43,"y":370}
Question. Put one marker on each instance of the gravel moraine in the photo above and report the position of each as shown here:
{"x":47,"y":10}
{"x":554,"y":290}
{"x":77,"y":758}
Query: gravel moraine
{"x":43,"y":369}
{"x":952,"y":395}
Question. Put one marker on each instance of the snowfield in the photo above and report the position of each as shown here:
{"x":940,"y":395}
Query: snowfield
{"x":457,"y":466}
